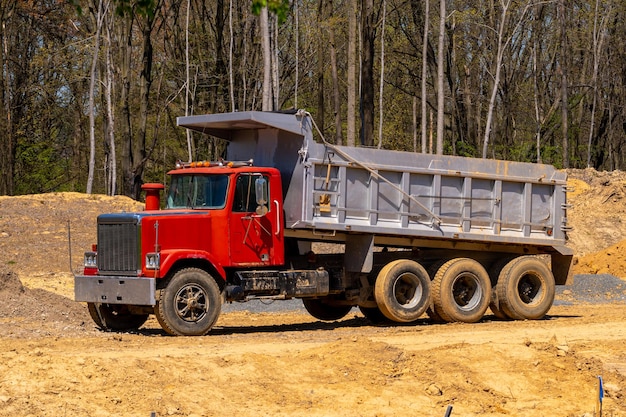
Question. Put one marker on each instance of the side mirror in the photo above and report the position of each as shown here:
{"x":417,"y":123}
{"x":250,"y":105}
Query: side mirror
{"x":262,"y":197}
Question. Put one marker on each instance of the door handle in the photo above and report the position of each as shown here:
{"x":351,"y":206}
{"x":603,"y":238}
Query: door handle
{"x":277,"y":217}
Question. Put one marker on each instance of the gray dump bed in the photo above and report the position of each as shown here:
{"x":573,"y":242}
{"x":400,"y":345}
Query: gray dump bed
{"x":402,"y":198}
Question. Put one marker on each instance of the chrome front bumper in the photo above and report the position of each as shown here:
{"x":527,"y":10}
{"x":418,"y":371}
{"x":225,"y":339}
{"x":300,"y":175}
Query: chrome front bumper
{"x":115,"y":290}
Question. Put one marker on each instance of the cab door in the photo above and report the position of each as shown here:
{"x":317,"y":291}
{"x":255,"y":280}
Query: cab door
{"x":256,"y":234}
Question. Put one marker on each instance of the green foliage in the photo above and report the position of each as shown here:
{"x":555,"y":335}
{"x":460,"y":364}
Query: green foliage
{"x":279,"y":7}
{"x":40,"y":169}
{"x":466,"y":149}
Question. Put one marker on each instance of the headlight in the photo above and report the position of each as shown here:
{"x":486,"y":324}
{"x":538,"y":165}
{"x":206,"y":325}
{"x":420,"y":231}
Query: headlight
{"x":153,"y":260}
{"x":91,"y":260}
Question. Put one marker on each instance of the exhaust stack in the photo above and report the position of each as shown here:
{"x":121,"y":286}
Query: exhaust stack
{"x":153,"y":195}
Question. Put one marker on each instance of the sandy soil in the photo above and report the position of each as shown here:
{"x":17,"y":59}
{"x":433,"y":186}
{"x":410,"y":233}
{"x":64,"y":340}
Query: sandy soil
{"x":54,"y":362}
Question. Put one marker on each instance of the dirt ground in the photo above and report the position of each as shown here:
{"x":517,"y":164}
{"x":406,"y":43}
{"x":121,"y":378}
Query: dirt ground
{"x":54,"y":362}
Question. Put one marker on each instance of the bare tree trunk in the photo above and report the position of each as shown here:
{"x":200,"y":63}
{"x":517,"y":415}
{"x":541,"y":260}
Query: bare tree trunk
{"x":351,"y":101}
{"x":368,"y":36}
{"x":536,"y":101}
{"x":597,"y":43}
{"x":7,"y":140}
{"x":440,"y":75}
{"x":335,"y":79}
{"x":112,"y":163}
{"x":217,"y":103}
{"x":275,"y":78}
{"x":496,"y":80}
{"x":382,"y":77}
{"x":321,"y":68}
{"x":425,"y":74}
{"x":430,"y":139}
{"x":297,"y":54}
{"x":126,"y":29}
{"x":187,"y":84}
{"x":231,"y":82}
{"x":244,"y":65}
{"x":92,"y":90}
{"x":564,"y":87}
{"x":145,"y":83}
{"x":267,"y":60}
{"x":414,"y":123}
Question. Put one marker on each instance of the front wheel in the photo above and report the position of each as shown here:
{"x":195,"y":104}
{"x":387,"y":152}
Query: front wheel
{"x":115,"y":317}
{"x":323,"y":310}
{"x":402,"y":290}
{"x":190,"y":303}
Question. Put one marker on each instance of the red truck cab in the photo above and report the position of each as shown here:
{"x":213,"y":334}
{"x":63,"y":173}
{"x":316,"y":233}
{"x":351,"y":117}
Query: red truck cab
{"x":229,"y":216}
{"x":217,"y":218}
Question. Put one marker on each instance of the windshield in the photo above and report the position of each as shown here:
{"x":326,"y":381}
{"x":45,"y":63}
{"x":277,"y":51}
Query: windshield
{"x":197,"y":191}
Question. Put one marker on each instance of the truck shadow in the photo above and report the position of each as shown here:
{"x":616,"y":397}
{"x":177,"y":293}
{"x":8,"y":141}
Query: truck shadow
{"x":355,"y":322}
{"x":309,"y":326}
{"x":314,"y":325}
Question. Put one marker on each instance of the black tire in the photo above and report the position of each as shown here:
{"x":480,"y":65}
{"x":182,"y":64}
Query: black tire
{"x":526,"y":289}
{"x":374,"y":315}
{"x":430,"y":311}
{"x":190,"y":303}
{"x":461,"y":291}
{"x":402,"y":290}
{"x":321,"y":309}
{"x":494,"y":276}
{"x":494,"y":306}
{"x":116,"y":317}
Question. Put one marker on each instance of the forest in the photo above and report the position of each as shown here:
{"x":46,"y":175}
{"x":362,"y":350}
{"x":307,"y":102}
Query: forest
{"x":91,"y":88}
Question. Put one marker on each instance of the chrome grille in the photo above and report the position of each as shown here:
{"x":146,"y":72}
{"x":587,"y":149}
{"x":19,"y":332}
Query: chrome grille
{"x":118,"y":244}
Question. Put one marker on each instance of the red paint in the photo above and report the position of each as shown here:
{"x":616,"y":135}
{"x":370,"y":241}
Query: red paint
{"x":222,"y":238}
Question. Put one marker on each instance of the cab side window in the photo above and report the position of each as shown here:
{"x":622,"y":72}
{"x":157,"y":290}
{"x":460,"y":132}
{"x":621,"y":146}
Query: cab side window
{"x":245,"y":194}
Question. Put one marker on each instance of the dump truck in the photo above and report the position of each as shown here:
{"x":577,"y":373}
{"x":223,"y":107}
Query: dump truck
{"x":402,"y":236}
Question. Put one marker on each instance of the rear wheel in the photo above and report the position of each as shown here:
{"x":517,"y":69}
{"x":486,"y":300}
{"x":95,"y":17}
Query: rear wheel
{"x":402,"y":290}
{"x":324,"y":310}
{"x":494,"y":276}
{"x":494,"y":306}
{"x":461,"y":291}
{"x":525,"y":289}
{"x":190,"y":303}
{"x":430,"y":311}
{"x":115,"y":317}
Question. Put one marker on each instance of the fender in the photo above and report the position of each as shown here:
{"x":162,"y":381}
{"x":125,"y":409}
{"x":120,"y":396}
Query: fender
{"x":170,"y":257}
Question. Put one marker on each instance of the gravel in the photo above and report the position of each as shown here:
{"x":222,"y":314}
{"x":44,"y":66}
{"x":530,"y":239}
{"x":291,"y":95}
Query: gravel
{"x":265,"y":306}
{"x":592,"y":289}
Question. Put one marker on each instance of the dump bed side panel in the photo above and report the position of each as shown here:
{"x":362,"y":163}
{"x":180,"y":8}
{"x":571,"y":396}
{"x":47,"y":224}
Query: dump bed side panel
{"x":440,"y":197}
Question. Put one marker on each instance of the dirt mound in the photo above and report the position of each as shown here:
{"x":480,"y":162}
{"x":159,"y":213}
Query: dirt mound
{"x":34,"y":229}
{"x":611,"y":260}
{"x":598,"y":207}
{"x":36,"y":296}
{"x":598,"y":218}
{"x":10,"y":284}
{"x":28,"y":312}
